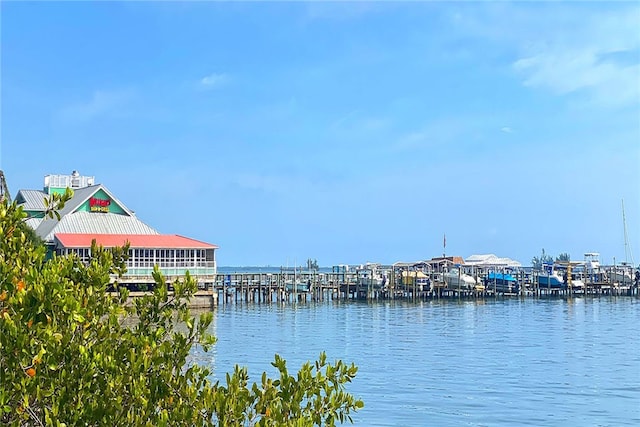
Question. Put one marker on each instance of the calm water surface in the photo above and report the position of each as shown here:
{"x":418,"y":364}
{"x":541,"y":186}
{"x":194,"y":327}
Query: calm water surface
{"x":487,"y":363}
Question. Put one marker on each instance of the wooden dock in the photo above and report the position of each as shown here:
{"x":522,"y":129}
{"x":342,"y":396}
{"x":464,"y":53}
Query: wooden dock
{"x":289,"y":287}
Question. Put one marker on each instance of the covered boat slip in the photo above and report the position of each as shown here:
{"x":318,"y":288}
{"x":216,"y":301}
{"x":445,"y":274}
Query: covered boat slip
{"x":501,"y":282}
{"x":95,"y":214}
{"x":422,"y":280}
{"x":274,"y":287}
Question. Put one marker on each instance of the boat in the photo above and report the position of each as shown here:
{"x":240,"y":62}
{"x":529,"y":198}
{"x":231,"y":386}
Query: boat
{"x":371,"y":275}
{"x":550,"y":278}
{"x":593,"y":272}
{"x":501,"y":282}
{"x":592,"y":262}
{"x":577,"y":280}
{"x":299,"y":286}
{"x":621,"y":274}
{"x":456,"y":279}
{"x":572,"y":274}
{"x":419,"y":279}
{"x":295,"y":283}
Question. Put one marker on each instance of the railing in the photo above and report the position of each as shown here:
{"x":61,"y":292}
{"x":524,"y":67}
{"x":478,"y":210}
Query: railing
{"x":171,"y":271}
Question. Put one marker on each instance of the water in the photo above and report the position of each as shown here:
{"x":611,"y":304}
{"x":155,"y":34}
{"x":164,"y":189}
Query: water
{"x":478,"y":363}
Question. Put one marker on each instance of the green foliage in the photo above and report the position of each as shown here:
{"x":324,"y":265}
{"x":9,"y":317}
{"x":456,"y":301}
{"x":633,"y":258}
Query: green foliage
{"x":537,"y":262}
{"x":56,"y":202}
{"x":72,"y":353}
{"x":315,"y":396}
{"x":30,"y":234}
{"x":563,"y":257}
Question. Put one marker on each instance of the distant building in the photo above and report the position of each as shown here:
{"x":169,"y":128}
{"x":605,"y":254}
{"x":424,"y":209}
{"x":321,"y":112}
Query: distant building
{"x":442,"y":263}
{"x":94,"y":213}
{"x":490,"y":260}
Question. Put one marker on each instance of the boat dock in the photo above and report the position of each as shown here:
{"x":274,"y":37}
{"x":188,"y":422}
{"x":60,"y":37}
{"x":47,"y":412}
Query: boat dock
{"x":304,"y":286}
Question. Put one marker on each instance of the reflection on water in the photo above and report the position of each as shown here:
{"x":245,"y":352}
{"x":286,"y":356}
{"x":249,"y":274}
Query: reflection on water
{"x":449,"y":363}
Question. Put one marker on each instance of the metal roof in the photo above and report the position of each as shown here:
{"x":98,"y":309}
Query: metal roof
{"x":79,"y":196}
{"x":446,"y":260}
{"x":92,"y":223}
{"x":156,"y":241}
{"x":82,"y":224}
{"x":31,"y":200}
{"x":33,"y":222}
{"x":491,"y":260}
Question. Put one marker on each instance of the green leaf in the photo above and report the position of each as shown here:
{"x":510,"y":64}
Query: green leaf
{"x":75,"y":354}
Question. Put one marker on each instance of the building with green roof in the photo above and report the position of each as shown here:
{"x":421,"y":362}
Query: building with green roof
{"x":95,"y":214}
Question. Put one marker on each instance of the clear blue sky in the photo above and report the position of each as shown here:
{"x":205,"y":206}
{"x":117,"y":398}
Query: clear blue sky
{"x":345,"y":132}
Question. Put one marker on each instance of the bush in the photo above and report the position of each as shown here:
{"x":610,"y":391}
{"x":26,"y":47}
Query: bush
{"x":72,"y":353}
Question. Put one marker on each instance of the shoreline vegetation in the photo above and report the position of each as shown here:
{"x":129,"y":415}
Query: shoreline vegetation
{"x":69,"y":354}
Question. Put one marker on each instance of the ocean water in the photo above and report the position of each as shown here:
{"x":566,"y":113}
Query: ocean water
{"x":536,"y":362}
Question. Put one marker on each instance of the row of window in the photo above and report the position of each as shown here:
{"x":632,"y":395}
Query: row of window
{"x":83,"y":253}
{"x":162,"y":257}
{"x":205,"y":254}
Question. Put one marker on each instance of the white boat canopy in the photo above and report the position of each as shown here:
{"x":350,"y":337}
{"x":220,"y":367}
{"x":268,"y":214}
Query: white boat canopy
{"x":490,"y":260}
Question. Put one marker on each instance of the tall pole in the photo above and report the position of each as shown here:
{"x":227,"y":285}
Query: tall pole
{"x":444,"y":245}
{"x":627,"y":248}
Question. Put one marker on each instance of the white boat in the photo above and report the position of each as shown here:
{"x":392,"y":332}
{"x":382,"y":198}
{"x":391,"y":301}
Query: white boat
{"x":592,"y":262}
{"x":594,"y":273}
{"x":300,"y":286}
{"x":578,"y":270}
{"x":456,"y":279}
{"x":576,"y":281}
{"x":621,"y":274}
{"x":550,"y":278}
{"x":371,"y":275}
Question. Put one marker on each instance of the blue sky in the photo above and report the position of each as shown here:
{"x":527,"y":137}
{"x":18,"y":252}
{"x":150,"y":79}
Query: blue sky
{"x":345,"y":132}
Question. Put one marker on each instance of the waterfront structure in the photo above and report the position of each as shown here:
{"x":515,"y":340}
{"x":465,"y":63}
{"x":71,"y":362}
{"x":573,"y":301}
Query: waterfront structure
{"x":94,"y":213}
{"x":416,"y":277}
{"x":501,"y":282}
{"x":491,"y":261}
{"x":442,"y":263}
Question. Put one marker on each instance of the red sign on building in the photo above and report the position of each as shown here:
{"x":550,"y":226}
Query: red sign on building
{"x":99,"y":205}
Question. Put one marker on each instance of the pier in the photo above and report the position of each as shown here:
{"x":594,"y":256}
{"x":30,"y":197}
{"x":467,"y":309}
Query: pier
{"x":306,"y":286}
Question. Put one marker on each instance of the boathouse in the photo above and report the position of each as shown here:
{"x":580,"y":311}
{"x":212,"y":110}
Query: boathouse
{"x":442,"y":263}
{"x":94,"y":213}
